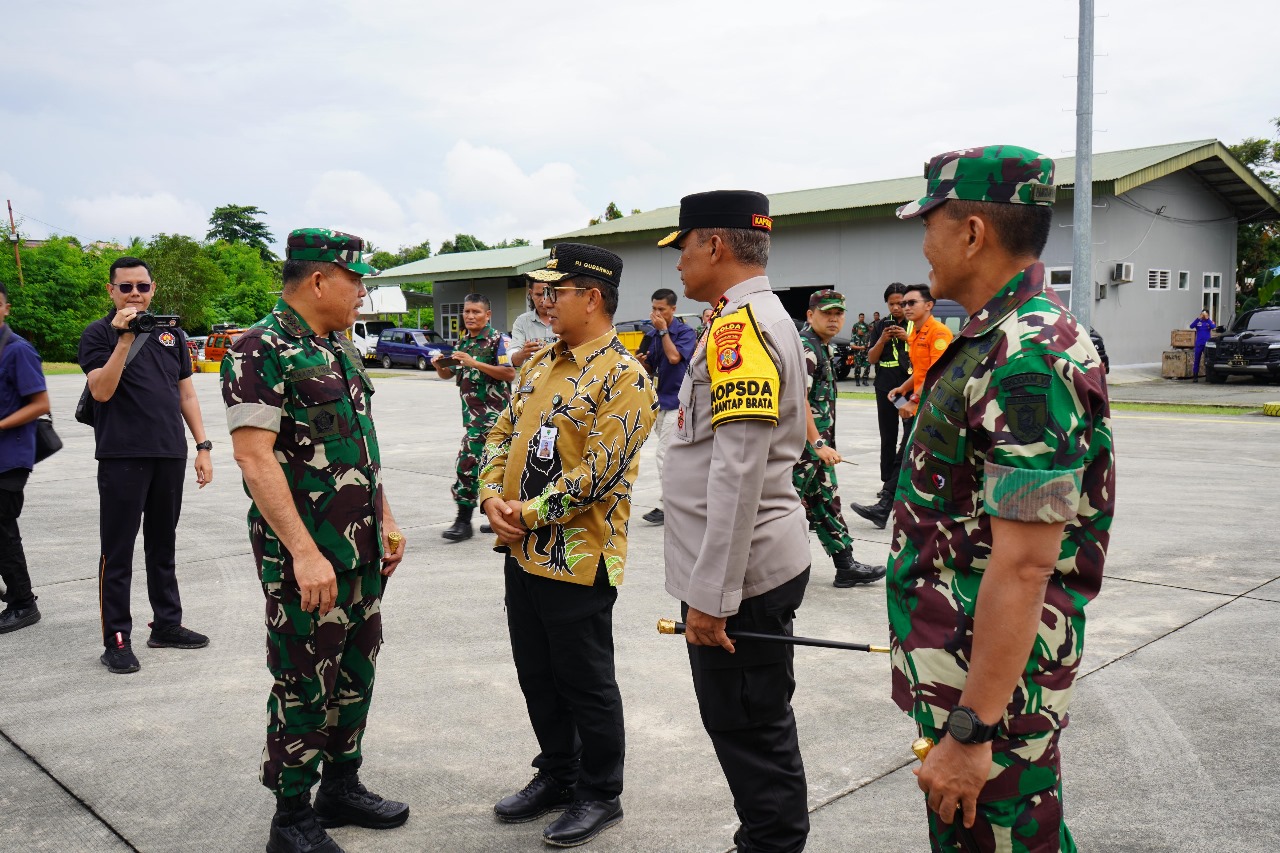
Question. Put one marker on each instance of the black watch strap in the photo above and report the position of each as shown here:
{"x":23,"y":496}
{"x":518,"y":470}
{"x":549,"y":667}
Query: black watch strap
{"x":205,"y":445}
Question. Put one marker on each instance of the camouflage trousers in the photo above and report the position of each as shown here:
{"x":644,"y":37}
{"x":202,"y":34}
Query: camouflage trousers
{"x":466,"y":485}
{"x":323,"y":668}
{"x":861,"y":366}
{"x":1020,"y":807}
{"x":816,"y":485}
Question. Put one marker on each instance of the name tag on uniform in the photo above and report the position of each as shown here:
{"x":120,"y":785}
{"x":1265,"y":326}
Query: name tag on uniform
{"x":547,"y":442}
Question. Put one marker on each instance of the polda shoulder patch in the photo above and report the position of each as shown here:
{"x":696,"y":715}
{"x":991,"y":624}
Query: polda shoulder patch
{"x":745,"y":384}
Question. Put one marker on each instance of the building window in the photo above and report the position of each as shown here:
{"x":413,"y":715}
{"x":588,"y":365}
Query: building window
{"x":450,"y":321}
{"x":1060,"y":282}
{"x":1157,"y":279}
{"x":1184,"y":280}
{"x":1212,"y":295}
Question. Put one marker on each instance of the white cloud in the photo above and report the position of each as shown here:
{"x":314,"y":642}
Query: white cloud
{"x":27,"y":202}
{"x":118,"y":217}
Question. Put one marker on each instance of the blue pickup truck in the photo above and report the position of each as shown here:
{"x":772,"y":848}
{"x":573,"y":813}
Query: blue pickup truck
{"x":410,"y":347}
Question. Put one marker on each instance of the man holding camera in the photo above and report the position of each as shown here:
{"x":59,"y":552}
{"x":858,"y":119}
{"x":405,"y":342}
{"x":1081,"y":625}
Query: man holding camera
{"x":141,"y":383}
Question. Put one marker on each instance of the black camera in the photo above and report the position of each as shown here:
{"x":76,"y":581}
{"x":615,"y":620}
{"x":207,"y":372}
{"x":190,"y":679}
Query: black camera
{"x":144,"y":322}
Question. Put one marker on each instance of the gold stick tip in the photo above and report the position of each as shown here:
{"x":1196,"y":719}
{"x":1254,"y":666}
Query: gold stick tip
{"x":921,"y":746}
{"x":884,"y":650}
{"x":666,"y":626}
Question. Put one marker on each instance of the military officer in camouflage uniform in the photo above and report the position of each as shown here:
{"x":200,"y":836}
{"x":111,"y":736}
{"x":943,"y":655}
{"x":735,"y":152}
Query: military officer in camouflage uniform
{"x":322,"y":532}
{"x":815,"y":476}
{"x":1002,"y":512}
{"x":860,"y":342}
{"x":483,"y":373}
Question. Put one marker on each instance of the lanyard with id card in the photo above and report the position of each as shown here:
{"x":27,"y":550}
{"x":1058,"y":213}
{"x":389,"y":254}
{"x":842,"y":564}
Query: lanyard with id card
{"x":547,"y":442}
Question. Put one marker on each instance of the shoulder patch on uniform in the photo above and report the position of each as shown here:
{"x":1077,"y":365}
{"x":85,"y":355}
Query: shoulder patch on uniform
{"x":1027,"y":417}
{"x":1025,"y":380}
{"x":941,"y":343}
{"x":745,"y":383}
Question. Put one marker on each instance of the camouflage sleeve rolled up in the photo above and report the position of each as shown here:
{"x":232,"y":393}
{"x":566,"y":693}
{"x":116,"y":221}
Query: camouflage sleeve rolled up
{"x":253,"y":388}
{"x":1040,"y":435}
{"x":810,"y":364}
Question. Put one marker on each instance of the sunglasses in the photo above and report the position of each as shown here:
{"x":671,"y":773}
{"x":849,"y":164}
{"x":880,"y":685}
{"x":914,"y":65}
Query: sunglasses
{"x":908,"y":303}
{"x":127,"y":287}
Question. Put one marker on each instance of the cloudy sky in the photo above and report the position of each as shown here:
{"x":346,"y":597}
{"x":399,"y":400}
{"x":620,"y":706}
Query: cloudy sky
{"x":405,"y":121}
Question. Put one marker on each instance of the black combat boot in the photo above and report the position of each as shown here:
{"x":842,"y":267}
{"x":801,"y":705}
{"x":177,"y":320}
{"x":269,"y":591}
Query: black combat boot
{"x":461,"y":526}
{"x":294,"y":829}
{"x":343,"y":800}
{"x":849,"y":572}
{"x":877,"y":514}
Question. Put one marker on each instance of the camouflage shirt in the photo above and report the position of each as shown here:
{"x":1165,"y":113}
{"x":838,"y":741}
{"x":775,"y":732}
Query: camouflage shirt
{"x":482,"y":395}
{"x":312,"y":392}
{"x":820,"y":385}
{"x":568,"y":446}
{"x":1014,"y":424}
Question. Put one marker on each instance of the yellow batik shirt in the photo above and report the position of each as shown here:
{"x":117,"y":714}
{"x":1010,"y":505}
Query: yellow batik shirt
{"x":568,"y":447}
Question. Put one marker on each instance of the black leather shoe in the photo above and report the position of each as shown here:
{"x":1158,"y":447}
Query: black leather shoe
{"x":655,"y":516}
{"x":294,"y":829}
{"x":849,"y":572}
{"x":485,"y":528}
{"x":543,"y":794}
{"x":459,"y":531}
{"x":877,"y":514}
{"x":14,"y":618}
{"x":583,"y":821}
{"x":342,"y":800}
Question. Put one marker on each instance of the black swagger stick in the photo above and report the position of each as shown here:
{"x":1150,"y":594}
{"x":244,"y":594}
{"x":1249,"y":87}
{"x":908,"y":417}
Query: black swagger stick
{"x":670,"y":626}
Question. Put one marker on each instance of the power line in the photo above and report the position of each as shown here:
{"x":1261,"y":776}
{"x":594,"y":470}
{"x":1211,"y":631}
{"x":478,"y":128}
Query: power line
{"x":57,"y":229}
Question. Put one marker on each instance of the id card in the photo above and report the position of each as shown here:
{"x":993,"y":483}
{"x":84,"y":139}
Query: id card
{"x":547,"y":442}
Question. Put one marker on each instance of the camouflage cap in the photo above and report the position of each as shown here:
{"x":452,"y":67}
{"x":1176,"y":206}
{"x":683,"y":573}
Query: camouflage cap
{"x":826,"y":300}
{"x":1001,"y":173}
{"x":321,"y":244}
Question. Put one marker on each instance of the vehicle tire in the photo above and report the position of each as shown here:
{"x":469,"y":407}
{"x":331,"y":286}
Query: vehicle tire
{"x":386,"y":362}
{"x":1213,"y":377}
{"x":423,"y":364}
{"x":843,"y":371}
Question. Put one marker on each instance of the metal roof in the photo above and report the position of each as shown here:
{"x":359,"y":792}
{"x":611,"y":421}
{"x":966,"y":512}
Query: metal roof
{"x":462,"y":266}
{"x":1114,"y":172}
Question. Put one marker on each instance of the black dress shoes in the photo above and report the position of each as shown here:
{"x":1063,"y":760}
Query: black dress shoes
{"x":583,"y":821}
{"x":543,"y":794}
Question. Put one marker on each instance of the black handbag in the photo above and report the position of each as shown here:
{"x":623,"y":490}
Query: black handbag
{"x":48,"y":442}
{"x":86,"y":406}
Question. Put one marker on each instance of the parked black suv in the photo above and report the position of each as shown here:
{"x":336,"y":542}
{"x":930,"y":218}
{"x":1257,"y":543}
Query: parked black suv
{"x":1251,"y":348}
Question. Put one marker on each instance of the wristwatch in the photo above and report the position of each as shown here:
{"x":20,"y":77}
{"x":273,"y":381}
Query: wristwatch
{"x":819,"y":444}
{"x":205,"y":445}
{"x":662,"y":333}
{"x":963,"y":725}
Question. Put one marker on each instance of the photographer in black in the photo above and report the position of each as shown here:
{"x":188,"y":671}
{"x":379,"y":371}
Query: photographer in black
{"x":141,"y":382}
{"x":891,"y":357}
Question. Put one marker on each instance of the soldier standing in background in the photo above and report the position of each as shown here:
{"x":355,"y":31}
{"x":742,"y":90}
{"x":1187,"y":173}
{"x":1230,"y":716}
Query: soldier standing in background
{"x":1003,"y":511}
{"x":484,"y":375}
{"x":859,"y":342}
{"x":323,"y":536}
{"x":815,"y":476}
{"x":737,"y":544}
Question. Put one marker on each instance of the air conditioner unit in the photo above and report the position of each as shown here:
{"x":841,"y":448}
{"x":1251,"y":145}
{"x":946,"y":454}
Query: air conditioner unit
{"x":1101,"y":291}
{"x":1121,"y":273}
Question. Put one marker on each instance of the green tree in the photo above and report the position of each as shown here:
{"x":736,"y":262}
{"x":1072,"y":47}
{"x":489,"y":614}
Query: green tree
{"x":64,"y":290}
{"x":462,"y":243}
{"x":252,"y":287}
{"x":405,"y":255}
{"x":611,"y":212}
{"x":239,"y":223}
{"x":188,"y":282}
{"x":1258,"y":243}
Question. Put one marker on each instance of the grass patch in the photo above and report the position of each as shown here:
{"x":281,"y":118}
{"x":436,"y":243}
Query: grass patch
{"x":856,"y":395}
{"x":1184,"y":409}
{"x":58,"y":368}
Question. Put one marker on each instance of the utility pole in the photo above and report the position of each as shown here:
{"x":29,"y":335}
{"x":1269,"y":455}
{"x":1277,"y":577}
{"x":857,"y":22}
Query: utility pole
{"x":13,"y":235}
{"x":1082,"y":219}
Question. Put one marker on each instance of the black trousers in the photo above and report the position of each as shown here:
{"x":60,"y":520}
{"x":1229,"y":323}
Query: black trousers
{"x":562,"y":644}
{"x":13,"y":561}
{"x":891,"y":446}
{"x":134,"y":492}
{"x":745,"y":702}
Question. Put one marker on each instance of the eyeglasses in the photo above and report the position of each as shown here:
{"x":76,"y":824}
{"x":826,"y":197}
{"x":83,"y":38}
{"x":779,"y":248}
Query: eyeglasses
{"x":551,"y":293}
{"x":127,"y":287}
{"x":908,"y":303}
{"x":542,"y":295}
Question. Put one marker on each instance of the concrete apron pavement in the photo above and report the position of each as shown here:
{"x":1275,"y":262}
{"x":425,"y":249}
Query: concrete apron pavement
{"x":1164,"y":751}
